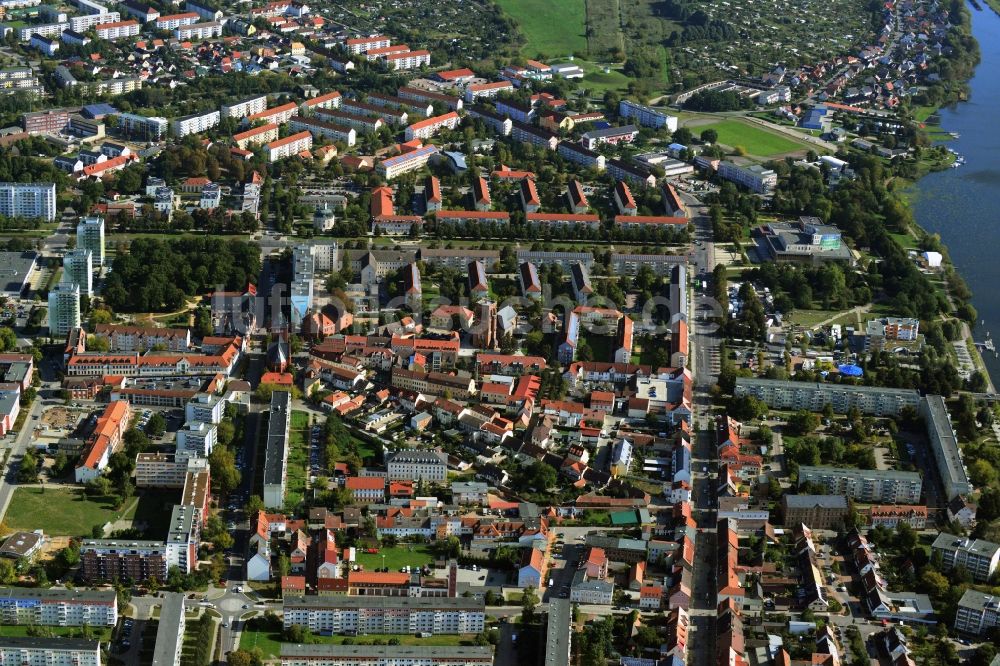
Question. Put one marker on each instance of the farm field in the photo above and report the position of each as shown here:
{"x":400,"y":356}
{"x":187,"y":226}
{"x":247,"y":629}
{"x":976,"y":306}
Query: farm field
{"x":757,"y":141}
{"x":554,"y":29}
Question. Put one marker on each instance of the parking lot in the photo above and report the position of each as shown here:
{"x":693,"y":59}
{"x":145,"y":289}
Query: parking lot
{"x":315,"y":453}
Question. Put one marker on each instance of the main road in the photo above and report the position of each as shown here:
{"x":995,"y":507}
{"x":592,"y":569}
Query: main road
{"x":704,"y":362}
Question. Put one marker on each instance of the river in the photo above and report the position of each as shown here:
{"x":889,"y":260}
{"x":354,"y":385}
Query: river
{"x":963,"y":205}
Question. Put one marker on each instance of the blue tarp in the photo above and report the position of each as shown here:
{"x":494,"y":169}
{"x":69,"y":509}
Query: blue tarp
{"x":851,"y":370}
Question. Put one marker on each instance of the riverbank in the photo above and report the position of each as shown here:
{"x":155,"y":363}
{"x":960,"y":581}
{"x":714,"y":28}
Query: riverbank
{"x":959,"y":205}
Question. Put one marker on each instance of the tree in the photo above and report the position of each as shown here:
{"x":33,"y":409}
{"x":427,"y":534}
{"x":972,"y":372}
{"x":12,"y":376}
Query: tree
{"x":710,"y":136}
{"x":157,"y":425}
{"x":529,"y":600}
{"x":253,"y":506}
{"x":8,"y":574}
{"x":243,"y":657}
{"x":802,"y":422}
{"x":225,"y":475}
{"x":934,"y":582}
{"x":28,"y":471}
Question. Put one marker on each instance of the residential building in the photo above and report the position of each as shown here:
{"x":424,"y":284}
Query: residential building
{"x":322,"y":128}
{"x":754,"y":177}
{"x":821,"y":512}
{"x":377,"y":614}
{"x":170,"y":630}
{"x":381,"y":655}
{"x":255,"y":136}
{"x":58,"y":607}
{"x":243,"y":108}
{"x":409,"y":161}
{"x":28,"y":200}
{"x":195,"y":123}
{"x":646,"y":116}
{"x":609,"y":135}
{"x":425,"y":129}
{"x":288,"y":147}
{"x":32,"y":651}
{"x":417,"y":465}
{"x":577,"y":154}
{"x":64,"y":309}
{"x":944,"y":446}
{"x":979,"y":558}
{"x":118,"y":29}
{"x":78,"y":269}
{"x":276,"y":452}
{"x":105,"y":440}
{"x":977,"y":612}
{"x":872,"y":400}
{"x":881,"y":486}
{"x":891,"y":516}
{"x":112,"y":559}
{"x":206,"y":30}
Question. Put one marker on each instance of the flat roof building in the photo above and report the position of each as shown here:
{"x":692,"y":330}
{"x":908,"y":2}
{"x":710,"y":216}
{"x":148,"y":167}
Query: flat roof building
{"x":276,"y":454}
{"x":783,"y":394}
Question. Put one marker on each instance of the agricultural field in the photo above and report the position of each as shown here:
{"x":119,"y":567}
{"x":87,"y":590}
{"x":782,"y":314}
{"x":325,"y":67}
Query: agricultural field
{"x":553,"y":29}
{"x":756,"y":140}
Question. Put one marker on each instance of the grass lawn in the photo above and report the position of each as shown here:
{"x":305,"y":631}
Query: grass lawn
{"x":756,"y":140}
{"x":269,"y":642}
{"x":905,"y":241}
{"x":102,"y":634}
{"x":554,"y":29}
{"x":811,"y":317}
{"x":298,"y":458}
{"x":62,"y":511}
{"x":397,"y":557}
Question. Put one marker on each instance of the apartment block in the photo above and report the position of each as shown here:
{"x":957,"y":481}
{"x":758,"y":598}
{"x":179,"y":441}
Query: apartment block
{"x":417,"y":465}
{"x":944,"y":446}
{"x":206,"y":30}
{"x":377,"y":614}
{"x":111,"y":559}
{"x":195,"y":123}
{"x":873,"y":400}
{"x":322,"y":128}
{"x":980,"y":558}
{"x":28,"y":200}
{"x":58,"y":607}
{"x":31,"y":651}
{"x":381,"y":655}
{"x":243,"y":108}
{"x":871,"y":486}
{"x":256,"y":136}
{"x":64,"y":309}
{"x":409,"y":161}
{"x":977,"y":612}
{"x":288,"y":147}
{"x":646,"y":116}
{"x":118,"y":29}
{"x":754,"y":177}
{"x":276,"y":453}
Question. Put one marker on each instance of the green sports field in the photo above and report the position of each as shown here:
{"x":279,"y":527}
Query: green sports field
{"x":756,"y":140}
{"x":553,"y":29}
